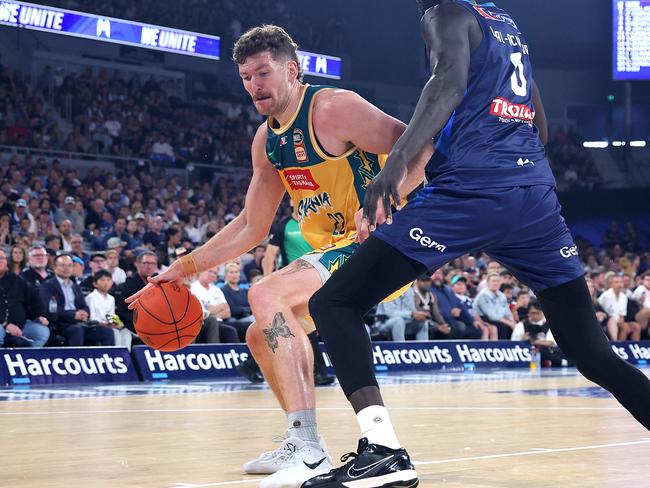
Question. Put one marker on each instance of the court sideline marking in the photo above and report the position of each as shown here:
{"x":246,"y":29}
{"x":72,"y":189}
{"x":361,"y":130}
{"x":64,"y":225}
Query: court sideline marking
{"x":531,"y":452}
{"x":277,"y":409}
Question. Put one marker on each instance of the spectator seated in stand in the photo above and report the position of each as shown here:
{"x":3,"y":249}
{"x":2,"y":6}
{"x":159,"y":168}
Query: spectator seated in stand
{"x":492,"y":306}
{"x":38,"y":270}
{"x":69,"y":318}
{"x":536,"y":330}
{"x":146,"y":265}
{"x":399,"y":317}
{"x":237,"y":298}
{"x":455,"y":313}
{"x":459,"y":286}
{"x":101,"y":305}
{"x":614,"y":302}
{"x":217,"y":310}
{"x":641,"y":296}
{"x":22,"y":316}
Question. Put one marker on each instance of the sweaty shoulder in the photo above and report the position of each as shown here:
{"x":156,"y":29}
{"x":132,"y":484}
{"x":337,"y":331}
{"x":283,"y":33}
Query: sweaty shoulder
{"x":331,"y":105}
{"x":450,"y":15}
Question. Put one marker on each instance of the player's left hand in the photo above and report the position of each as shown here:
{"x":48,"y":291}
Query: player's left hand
{"x":380,"y":193}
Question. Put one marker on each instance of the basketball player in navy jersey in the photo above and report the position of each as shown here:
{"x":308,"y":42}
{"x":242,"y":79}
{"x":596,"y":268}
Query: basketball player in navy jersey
{"x":489,"y":166}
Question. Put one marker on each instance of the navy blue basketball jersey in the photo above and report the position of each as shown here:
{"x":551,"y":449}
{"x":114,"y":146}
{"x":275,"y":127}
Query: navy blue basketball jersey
{"x":490,"y":140}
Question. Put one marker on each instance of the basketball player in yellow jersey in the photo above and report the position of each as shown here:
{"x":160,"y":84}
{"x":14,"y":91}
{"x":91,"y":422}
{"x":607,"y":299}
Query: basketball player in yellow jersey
{"x":322,"y":146}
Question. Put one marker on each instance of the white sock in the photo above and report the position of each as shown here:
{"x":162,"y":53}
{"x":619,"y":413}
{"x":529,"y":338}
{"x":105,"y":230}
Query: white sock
{"x":375,"y":425}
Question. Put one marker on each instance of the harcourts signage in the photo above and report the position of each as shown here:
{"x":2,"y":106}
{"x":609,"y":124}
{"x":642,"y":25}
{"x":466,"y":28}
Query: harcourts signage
{"x":66,"y":365}
{"x":633,"y":352}
{"x":193,"y":362}
{"x":401,"y":356}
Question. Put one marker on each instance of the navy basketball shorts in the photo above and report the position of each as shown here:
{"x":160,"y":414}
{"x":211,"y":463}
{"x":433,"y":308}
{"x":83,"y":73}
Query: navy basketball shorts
{"x":520,"y":227}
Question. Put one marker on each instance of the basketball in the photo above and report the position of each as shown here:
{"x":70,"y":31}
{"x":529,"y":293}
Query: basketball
{"x":168,"y":317}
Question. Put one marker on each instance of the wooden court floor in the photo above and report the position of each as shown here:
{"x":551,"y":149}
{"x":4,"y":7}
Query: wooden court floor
{"x":463,"y":430}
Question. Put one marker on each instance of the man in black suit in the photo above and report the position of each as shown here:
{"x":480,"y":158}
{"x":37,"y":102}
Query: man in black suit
{"x":71,"y":309}
{"x":22,"y":323}
{"x":146,"y":264}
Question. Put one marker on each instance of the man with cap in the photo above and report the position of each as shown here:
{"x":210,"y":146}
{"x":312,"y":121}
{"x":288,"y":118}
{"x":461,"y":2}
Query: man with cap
{"x":67,"y":212}
{"x":453,"y":311}
{"x":459,"y":286}
{"x":97,"y":263}
{"x":20,"y":212}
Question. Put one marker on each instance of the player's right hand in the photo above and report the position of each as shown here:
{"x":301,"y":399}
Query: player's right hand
{"x":381,"y":192}
{"x":173,"y":273}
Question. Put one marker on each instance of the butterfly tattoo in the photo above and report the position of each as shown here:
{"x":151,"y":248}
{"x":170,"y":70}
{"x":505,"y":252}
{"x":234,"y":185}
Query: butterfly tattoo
{"x":278,"y":328}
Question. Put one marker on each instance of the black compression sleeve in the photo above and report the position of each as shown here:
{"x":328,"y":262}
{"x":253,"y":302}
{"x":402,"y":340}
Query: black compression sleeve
{"x":373,"y":272}
{"x":571,"y":316}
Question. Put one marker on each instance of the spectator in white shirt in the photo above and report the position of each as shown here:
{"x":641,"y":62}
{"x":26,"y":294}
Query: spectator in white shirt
{"x":113,"y":266}
{"x":216,"y":307}
{"x":614,"y":302}
{"x":642,"y":296}
{"x":102,"y":308}
{"x":492,"y":307}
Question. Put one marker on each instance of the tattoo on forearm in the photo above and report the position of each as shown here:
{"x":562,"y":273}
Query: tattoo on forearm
{"x":278,"y":328}
{"x":296,"y":266}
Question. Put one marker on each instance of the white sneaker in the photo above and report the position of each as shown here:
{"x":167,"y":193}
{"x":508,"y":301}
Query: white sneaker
{"x":306,"y":460}
{"x":271,"y":461}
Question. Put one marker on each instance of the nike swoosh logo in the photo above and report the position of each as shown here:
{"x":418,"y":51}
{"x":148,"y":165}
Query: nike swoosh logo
{"x":356,"y":473}
{"x":314,"y":465}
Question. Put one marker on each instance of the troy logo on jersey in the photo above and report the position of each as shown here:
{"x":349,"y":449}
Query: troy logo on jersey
{"x":504,"y":109}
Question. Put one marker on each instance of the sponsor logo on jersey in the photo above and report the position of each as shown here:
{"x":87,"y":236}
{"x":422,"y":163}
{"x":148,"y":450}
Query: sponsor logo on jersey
{"x":524,"y":162}
{"x":300,"y":179}
{"x":283,"y":141}
{"x":499,"y":17}
{"x":417,"y":235}
{"x":568,"y":251}
{"x":508,"y":111}
{"x":299,"y":146}
{"x":313,"y":205}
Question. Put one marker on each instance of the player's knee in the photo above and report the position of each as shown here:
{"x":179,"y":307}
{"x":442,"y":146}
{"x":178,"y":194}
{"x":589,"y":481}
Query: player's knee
{"x":262,"y":296}
{"x":254,"y":335}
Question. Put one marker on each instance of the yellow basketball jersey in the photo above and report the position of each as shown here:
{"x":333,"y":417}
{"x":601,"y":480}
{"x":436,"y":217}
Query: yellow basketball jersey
{"x":326,"y":190}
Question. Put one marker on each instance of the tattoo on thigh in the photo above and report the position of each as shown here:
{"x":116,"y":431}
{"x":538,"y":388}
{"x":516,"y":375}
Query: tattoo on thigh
{"x":277,"y":329}
{"x":296,"y":266}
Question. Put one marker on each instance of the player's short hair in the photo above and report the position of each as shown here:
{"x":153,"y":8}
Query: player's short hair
{"x":493,"y":275}
{"x":267,"y":38}
{"x":536,"y":305}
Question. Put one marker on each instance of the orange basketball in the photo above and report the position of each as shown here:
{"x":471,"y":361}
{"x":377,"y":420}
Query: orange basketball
{"x":168,"y":317}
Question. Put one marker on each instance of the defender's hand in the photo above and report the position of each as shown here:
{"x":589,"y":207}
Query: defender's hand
{"x":380,"y":193}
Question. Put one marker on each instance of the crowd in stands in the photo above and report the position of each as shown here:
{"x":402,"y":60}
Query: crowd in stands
{"x":81,"y":242}
{"x":121,"y":115}
{"x":75,"y":244}
{"x":474,"y":297}
{"x":573,"y":165}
